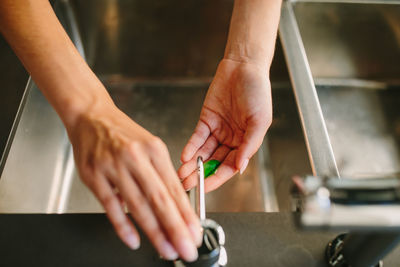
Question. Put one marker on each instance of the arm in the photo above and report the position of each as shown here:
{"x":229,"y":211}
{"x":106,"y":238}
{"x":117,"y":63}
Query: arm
{"x":237,"y":110}
{"x":253,"y":31}
{"x":112,"y":153}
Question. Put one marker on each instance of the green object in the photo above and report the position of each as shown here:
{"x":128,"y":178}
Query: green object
{"x":210,"y":167}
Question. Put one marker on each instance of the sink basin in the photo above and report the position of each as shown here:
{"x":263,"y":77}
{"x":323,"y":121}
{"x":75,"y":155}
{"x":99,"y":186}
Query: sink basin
{"x":353,"y":51}
{"x":156,"y":59}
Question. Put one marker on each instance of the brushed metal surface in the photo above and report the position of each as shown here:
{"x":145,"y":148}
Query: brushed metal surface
{"x":350,"y":40}
{"x":318,"y":144}
{"x":364,"y":129}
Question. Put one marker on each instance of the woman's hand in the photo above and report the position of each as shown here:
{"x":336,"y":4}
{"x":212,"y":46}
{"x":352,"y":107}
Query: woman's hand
{"x":235,"y":116}
{"x":123,"y":164}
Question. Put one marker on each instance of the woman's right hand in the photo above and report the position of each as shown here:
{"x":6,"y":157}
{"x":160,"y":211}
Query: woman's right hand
{"x":123,"y":164}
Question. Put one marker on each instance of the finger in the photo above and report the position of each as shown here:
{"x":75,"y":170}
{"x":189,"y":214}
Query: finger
{"x":115,"y":213}
{"x":121,"y":200}
{"x":205,"y":152}
{"x":252,"y":141}
{"x":164,"y":208}
{"x":225,"y":171}
{"x":163,"y":166}
{"x":117,"y":194}
{"x":199,"y":137}
{"x":219,"y":154}
{"x":191,"y":181}
{"x":142,"y":213}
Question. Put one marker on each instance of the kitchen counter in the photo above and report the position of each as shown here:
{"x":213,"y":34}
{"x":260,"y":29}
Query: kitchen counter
{"x":253,"y":239}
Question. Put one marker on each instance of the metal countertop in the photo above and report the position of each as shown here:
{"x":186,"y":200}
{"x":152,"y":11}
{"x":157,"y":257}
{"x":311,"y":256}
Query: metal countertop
{"x":253,"y":239}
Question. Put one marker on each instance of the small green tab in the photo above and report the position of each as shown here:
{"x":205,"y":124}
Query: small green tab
{"x":210,"y":167}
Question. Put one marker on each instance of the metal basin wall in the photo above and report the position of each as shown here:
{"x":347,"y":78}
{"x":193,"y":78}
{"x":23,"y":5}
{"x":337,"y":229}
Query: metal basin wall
{"x":13,"y":78}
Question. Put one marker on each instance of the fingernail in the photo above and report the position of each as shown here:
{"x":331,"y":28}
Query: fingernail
{"x":188,"y":250}
{"x":168,"y":252}
{"x":132,"y":241}
{"x":244,"y":166}
{"x":195,"y":230}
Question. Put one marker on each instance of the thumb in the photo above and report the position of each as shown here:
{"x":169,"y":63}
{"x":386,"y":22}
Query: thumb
{"x":252,"y":140}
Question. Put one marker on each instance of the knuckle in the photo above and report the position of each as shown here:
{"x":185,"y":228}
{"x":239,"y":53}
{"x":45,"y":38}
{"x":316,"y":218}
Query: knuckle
{"x":135,"y":150}
{"x":134,"y":145}
{"x":157,"y":145}
{"x":104,"y":163}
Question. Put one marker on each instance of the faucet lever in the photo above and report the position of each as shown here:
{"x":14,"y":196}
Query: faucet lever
{"x":200,"y":200}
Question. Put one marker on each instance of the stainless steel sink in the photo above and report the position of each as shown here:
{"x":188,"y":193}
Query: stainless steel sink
{"x":354,"y":50}
{"x":351,"y":51}
{"x":156,"y":59}
{"x":343,"y":59}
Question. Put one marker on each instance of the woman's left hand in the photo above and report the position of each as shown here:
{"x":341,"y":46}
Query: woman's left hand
{"x":235,"y":116}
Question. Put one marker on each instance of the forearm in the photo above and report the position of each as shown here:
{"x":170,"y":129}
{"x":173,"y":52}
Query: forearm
{"x":38,"y":39}
{"x":253,"y":30}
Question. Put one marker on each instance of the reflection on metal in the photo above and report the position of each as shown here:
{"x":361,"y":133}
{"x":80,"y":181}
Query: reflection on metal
{"x":62,"y":182}
{"x":59,"y":166}
{"x":318,"y":143}
{"x":200,"y":204}
{"x":351,"y":83}
{"x":30,"y":173}
{"x":267,"y":179}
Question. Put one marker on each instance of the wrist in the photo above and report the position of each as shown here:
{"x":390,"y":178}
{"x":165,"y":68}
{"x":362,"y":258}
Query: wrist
{"x":90,"y":98}
{"x":246,"y":53}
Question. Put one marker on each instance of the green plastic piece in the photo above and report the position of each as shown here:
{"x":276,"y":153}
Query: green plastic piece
{"x":210,"y":167}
